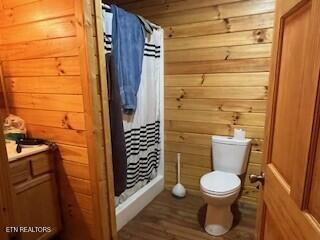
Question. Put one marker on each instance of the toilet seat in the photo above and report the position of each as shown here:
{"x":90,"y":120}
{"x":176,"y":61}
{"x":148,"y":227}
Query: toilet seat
{"x":220,"y":183}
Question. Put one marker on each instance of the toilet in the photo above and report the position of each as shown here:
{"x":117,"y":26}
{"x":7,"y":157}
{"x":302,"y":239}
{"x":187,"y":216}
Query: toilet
{"x":220,"y":188}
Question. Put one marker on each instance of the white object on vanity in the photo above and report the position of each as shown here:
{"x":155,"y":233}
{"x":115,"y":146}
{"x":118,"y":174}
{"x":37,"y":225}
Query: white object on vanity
{"x":221,"y":187}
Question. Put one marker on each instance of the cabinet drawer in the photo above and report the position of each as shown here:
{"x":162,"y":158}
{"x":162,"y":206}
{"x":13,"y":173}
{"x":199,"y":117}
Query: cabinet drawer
{"x":19,"y":171}
{"x":41,"y":163}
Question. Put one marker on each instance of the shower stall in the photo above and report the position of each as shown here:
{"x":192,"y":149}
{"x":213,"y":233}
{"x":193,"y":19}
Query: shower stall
{"x":143,"y":129}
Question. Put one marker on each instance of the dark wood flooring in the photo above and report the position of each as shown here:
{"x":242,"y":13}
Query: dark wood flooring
{"x":182,"y":219}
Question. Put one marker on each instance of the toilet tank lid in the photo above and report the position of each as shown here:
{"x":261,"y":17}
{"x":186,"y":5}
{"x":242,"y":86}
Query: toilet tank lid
{"x":230,"y":140}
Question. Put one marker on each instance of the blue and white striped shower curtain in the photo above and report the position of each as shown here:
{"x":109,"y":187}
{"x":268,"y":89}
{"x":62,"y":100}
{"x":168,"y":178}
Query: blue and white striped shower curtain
{"x":142,"y":129}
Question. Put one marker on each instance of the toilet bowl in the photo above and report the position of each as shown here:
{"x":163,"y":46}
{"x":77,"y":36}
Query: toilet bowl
{"x":219,"y":190}
{"x":221,"y":187}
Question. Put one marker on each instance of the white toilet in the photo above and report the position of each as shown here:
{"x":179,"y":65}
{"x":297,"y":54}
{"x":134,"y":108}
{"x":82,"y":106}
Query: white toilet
{"x":221,"y":187}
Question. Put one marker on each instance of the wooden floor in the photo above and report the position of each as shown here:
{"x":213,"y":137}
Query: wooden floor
{"x":182,"y":219}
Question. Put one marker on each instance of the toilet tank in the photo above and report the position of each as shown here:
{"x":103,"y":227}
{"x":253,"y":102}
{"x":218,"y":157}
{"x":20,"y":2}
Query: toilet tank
{"x":229,"y":154}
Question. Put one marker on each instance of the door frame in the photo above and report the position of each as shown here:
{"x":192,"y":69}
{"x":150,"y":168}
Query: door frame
{"x":6,"y":216}
{"x":6,"y":189}
{"x":106,"y":192}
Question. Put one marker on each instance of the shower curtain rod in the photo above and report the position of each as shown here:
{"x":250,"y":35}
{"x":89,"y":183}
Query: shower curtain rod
{"x":153,"y":24}
{"x":150,"y":23}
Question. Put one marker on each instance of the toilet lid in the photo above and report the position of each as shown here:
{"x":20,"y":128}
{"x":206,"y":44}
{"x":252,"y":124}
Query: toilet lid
{"x":220,"y":183}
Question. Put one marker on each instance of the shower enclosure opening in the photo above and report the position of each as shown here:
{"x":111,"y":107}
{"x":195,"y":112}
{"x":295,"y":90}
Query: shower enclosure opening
{"x":143,"y":128}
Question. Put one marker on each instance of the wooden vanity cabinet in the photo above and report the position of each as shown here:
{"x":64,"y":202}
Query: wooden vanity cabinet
{"x":36,"y":198}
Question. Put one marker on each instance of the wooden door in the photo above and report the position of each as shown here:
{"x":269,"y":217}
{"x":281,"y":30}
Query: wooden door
{"x":291,"y":195}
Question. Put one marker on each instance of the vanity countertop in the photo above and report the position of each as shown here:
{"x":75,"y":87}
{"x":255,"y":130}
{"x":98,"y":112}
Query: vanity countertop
{"x":13,"y":155}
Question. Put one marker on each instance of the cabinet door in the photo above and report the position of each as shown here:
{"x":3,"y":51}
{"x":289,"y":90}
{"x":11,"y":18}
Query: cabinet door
{"x":37,"y":206}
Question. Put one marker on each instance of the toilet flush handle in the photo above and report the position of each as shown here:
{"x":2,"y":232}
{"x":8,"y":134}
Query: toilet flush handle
{"x":257,"y":178}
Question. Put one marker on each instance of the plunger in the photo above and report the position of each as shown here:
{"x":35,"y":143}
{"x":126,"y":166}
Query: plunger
{"x":178,"y":190}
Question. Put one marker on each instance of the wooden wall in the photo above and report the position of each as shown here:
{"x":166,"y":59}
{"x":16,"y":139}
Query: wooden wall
{"x":217,"y":55}
{"x":53,"y":86}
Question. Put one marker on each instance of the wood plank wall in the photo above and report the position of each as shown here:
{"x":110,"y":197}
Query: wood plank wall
{"x":44,"y":47}
{"x":217,"y":55}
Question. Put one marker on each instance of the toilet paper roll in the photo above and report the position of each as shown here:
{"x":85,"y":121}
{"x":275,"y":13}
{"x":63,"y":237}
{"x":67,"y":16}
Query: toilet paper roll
{"x":239,"y":134}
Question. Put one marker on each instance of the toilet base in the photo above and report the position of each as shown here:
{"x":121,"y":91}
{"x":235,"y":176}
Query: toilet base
{"x":218,"y":220}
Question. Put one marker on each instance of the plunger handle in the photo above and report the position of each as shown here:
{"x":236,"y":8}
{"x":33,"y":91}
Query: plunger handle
{"x":178,"y":166}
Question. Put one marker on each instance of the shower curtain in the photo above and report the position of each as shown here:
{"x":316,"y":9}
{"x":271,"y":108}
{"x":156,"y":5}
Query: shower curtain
{"x":142,"y":128}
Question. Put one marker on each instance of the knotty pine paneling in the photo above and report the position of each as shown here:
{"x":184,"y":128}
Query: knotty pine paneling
{"x":220,"y":40}
{"x":59,"y":119}
{"x":60,"y":47}
{"x":218,"y":80}
{"x":62,"y":66}
{"x":65,"y":85}
{"x":73,"y":153}
{"x":6,"y":4}
{"x":46,"y":29}
{"x":219,"y":66}
{"x":72,"y":103}
{"x":216,"y":93}
{"x":43,"y":48}
{"x":217,"y":105}
{"x":220,"y":26}
{"x":217,"y":57}
{"x":23,"y":13}
{"x":219,"y":53}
